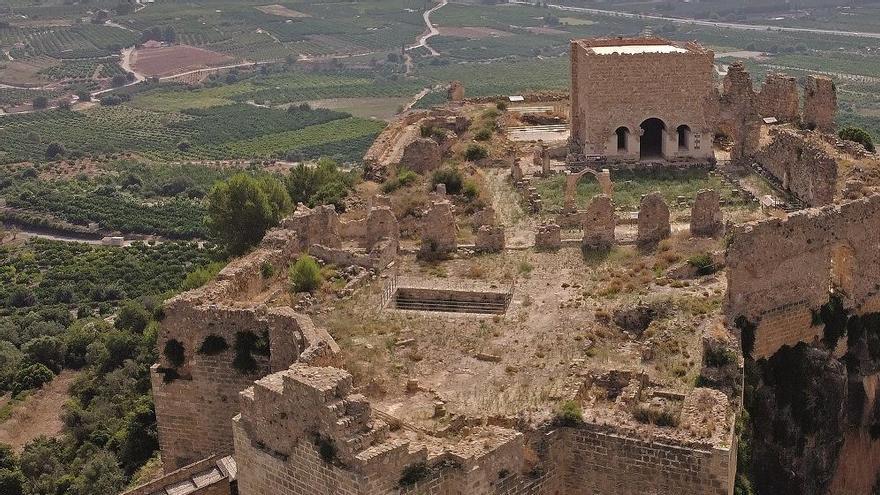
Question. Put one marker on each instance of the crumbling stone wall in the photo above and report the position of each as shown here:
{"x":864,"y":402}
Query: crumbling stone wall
{"x":706,"y":216}
{"x":653,"y":219}
{"x":548,"y":237}
{"x":599,"y":222}
{"x":738,"y":116}
{"x":602,"y":460}
{"x":609,"y":91}
{"x":304,"y":431}
{"x":194,"y":388}
{"x":802,"y":166}
{"x":820,"y":103}
{"x":211,"y":476}
{"x":780,"y":271}
{"x":438,"y":230}
{"x":455,"y":92}
{"x":422,"y":156}
{"x":490,"y":239}
{"x":779,"y":98}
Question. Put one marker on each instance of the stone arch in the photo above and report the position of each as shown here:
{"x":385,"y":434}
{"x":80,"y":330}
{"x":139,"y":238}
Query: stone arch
{"x":603,"y":177}
{"x":841,"y":265}
{"x":685,"y":137}
{"x":651,"y":143}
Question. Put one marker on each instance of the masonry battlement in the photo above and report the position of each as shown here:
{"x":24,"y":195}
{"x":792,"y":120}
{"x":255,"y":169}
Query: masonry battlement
{"x":779,"y":270}
{"x":215,"y":340}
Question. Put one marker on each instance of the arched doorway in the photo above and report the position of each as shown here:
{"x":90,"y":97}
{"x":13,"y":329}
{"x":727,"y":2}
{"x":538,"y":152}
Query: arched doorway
{"x":684,"y":137}
{"x":652,"y":139}
{"x":622,"y":139}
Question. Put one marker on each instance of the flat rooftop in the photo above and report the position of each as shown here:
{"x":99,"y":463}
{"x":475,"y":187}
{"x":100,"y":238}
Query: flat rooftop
{"x":634,"y":49}
{"x":637,"y":45}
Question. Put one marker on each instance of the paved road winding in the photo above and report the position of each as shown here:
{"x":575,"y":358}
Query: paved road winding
{"x":728,"y":25}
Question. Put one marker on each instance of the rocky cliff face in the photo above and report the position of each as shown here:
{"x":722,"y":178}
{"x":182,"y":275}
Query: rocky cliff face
{"x":815,"y":414}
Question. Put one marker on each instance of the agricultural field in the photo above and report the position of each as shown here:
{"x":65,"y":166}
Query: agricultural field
{"x":223,"y":132}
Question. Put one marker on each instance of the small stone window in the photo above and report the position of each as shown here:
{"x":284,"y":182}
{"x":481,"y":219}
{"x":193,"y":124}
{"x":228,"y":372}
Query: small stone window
{"x":684,"y":137}
{"x":622,"y":138}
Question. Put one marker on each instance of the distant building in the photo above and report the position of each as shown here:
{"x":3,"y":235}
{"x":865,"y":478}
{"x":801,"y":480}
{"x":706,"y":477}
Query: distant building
{"x":641,"y":99}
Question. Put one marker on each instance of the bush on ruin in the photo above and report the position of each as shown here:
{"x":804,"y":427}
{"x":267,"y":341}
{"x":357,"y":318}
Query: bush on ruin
{"x":858,"y":135}
{"x":483,"y":134}
{"x":266,"y":269}
{"x":241,"y":209}
{"x":451,"y":177}
{"x":305,"y":274}
{"x":569,"y":414}
{"x":659,"y":416}
{"x":475,"y":152}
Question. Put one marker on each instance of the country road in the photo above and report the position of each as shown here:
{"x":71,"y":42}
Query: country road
{"x":727,"y":25}
{"x":432,"y":31}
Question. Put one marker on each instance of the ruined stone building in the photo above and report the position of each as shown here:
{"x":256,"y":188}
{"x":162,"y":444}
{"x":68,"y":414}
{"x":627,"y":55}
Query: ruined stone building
{"x":641,"y":99}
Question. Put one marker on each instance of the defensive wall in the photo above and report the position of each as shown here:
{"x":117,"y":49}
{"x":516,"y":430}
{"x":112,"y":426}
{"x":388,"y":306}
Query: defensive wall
{"x":781,"y":271}
{"x":802,"y":166}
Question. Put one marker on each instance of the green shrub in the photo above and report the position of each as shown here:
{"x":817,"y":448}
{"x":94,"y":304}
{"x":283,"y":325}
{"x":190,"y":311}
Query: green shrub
{"x":483,"y":134}
{"x":475,"y":152}
{"x":858,"y":135}
{"x":719,"y":356}
{"x":133,"y":317}
{"x":46,"y":350}
{"x":426,"y":130}
{"x":660,"y":416}
{"x":470,"y":190}
{"x":501,"y":105}
{"x":569,"y":414}
{"x":305,"y":274}
{"x":451,"y":177}
{"x":266,"y":269}
{"x":404,"y":178}
{"x":201,"y":276}
{"x":414,"y":473}
{"x":174,"y":352}
{"x":703,"y":263}
{"x":31,"y":377}
{"x":213,"y":345}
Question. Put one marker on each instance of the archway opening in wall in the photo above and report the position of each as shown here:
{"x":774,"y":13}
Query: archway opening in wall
{"x":652,"y":139}
{"x":684,"y":137}
{"x":622,"y":138}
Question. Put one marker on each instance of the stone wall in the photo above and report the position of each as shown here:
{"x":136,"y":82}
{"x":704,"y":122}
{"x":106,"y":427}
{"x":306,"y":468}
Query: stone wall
{"x":421,"y":156}
{"x":653,"y":219}
{"x":780,"y":270}
{"x":438,"y":230}
{"x":706,"y":216}
{"x":802,"y":166}
{"x":820,"y":103}
{"x":548,"y":237}
{"x":602,"y":461}
{"x":211,"y":476}
{"x":490,"y":239}
{"x":304,"y":431}
{"x":738,"y":117}
{"x":779,"y":98}
{"x":599,"y":221}
{"x":624,"y":90}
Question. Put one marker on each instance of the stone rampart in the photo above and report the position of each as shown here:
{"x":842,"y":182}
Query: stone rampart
{"x":782,"y":270}
{"x":820,"y":103}
{"x":802,"y":166}
{"x":779,"y":98}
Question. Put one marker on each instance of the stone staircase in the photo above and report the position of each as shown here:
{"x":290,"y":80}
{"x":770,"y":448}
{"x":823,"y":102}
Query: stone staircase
{"x":450,"y":305}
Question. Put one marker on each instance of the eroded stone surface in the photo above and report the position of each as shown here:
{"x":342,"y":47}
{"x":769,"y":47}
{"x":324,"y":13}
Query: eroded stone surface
{"x":779,"y":98}
{"x":438,"y":230}
{"x":422,"y":156}
{"x":706,"y":216}
{"x":653,"y":219}
{"x":820,"y":103}
{"x":599,"y":221}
